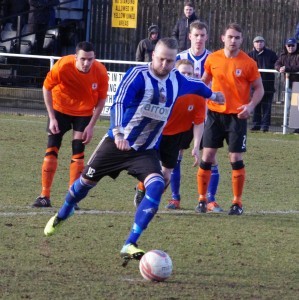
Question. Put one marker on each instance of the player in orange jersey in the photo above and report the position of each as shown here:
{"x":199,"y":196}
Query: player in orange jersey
{"x":233,"y":72}
{"x":186,"y":121}
{"x":74,"y":91}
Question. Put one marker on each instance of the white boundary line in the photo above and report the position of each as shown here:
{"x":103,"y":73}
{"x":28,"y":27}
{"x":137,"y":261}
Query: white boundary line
{"x":120,"y":213}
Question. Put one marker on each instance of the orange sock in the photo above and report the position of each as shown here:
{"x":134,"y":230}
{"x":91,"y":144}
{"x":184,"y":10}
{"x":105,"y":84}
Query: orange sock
{"x":238,"y":180}
{"x":203,"y":179}
{"x":49,"y":167}
{"x":140,"y":186}
{"x":76,"y":167}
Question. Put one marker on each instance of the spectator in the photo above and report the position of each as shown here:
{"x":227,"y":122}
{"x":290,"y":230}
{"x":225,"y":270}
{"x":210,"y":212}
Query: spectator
{"x":39,"y":19}
{"x":288,"y":62}
{"x":181,"y":28}
{"x":146,"y":47}
{"x":265,"y":59}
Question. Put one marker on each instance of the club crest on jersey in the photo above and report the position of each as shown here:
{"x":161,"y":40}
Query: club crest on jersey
{"x":94,"y":86}
{"x":238,"y":72}
{"x":162,"y":98}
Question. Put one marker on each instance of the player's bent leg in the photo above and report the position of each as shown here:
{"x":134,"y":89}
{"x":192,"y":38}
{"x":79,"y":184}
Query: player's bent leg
{"x":76,"y":193}
{"x":154,"y":185}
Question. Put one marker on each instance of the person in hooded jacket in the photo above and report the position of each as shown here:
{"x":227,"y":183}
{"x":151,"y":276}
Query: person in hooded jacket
{"x":181,"y":29}
{"x":146,"y":47}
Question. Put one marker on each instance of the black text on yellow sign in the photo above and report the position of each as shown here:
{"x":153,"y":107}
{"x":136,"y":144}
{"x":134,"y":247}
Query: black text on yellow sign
{"x":124,"y":13}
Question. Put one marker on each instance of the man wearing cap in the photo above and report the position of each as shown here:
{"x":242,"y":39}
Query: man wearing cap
{"x":288,"y":62}
{"x":265,"y":59}
{"x":146,"y":47}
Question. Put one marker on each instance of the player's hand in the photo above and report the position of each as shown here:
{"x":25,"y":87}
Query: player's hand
{"x":220,"y":99}
{"x":87,"y":135}
{"x":53,"y":126}
{"x":195,"y":154}
{"x":121,"y":143}
{"x":245,"y":111}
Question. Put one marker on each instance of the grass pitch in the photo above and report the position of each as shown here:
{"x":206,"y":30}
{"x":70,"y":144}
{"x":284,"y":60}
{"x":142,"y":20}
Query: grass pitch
{"x":215,"y":256}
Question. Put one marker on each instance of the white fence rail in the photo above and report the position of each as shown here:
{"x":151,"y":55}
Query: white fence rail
{"x":115,"y":77}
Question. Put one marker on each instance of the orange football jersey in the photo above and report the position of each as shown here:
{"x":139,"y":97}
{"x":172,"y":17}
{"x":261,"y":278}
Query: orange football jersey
{"x":233,"y":77}
{"x":75,"y":93}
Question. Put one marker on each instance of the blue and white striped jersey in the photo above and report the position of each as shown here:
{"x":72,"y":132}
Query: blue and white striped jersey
{"x":198,"y":61}
{"x":143,"y":102}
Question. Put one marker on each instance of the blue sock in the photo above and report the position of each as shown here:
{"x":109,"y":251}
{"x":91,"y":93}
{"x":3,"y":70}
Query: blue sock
{"x":147,"y":208}
{"x":175,"y":181}
{"x":77,"y":192}
{"x":213,"y":185}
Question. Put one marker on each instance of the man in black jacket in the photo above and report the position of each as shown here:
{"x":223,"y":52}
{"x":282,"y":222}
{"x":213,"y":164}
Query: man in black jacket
{"x":265,"y":59}
{"x":181,"y":28}
{"x":146,"y":47}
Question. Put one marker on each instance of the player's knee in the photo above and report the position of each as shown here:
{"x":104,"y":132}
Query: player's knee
{"x":77,"y":147}
{"x":155,"y":186}
{"x":205,"y":165}
{"x":54,"y":140}
{"x":80,"y":188}
{"x":238,"y":165}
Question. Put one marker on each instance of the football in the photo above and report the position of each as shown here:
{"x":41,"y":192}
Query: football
{"x":155,"y":265}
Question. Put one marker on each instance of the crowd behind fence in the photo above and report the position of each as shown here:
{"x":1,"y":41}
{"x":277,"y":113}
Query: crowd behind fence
{"x":21,"y":78}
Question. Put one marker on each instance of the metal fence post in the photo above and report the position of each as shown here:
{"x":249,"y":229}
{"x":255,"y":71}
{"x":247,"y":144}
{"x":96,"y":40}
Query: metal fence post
{"x":286,"y":104}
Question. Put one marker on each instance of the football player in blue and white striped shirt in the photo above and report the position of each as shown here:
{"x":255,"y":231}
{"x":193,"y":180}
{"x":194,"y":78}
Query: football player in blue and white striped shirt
{"x":197,"y":53}
{"x":141,"y":107}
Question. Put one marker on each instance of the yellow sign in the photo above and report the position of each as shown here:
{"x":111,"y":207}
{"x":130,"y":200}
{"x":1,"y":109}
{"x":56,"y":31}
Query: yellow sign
{"x":124,"y":13}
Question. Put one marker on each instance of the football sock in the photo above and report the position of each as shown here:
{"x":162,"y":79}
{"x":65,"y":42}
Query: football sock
{"x":76,"y":167}
{"x":175,"y":181}
{"x":77,"y":161}
{"x":147,"y":208}
{"x":49,"y":167}
{"x":238,"y":180}
{"x":213,"y":185}
{"x":140,"y":186}
{"x":77,"y":192}
{"x":203,"y":179}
